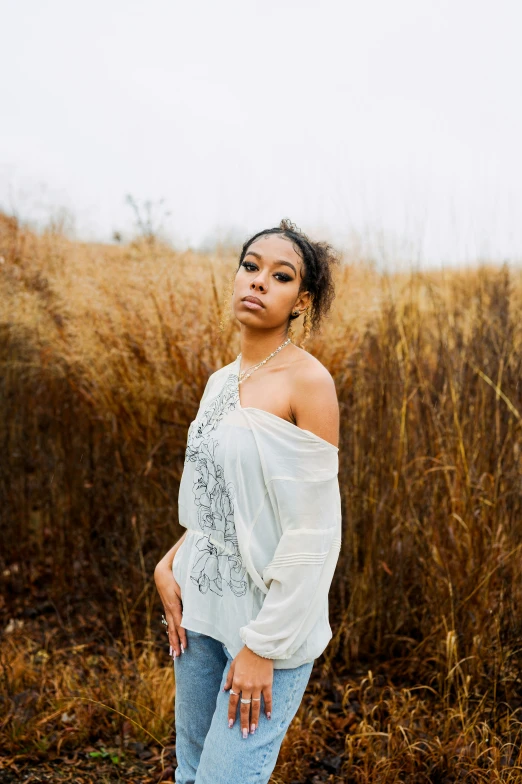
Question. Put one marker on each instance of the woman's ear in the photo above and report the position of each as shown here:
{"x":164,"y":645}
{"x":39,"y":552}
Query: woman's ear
{"x":302,"y":301}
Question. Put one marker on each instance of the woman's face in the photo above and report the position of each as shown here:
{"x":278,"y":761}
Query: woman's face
{"x":271,"y":272}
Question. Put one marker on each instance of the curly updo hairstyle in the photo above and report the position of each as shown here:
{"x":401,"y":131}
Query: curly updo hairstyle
{"x":318,"y":258}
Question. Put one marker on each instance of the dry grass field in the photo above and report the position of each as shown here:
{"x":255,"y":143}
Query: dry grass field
{"x":104,"y":353}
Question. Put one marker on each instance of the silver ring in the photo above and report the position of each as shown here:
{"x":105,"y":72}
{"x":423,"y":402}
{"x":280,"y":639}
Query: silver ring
{"x":234,"y":692}
{"x":246,"y":701}
{"x":257,"y":699}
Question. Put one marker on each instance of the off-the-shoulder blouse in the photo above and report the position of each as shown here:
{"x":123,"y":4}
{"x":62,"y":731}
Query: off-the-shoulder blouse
{"x":260,"y":499}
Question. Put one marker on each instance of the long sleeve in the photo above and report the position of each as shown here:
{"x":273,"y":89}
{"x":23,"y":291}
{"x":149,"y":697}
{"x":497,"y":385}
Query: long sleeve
{"x":301,"y":474}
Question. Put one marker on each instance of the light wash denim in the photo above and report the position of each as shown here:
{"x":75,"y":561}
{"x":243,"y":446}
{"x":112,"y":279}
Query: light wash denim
{"x":207,"y":750}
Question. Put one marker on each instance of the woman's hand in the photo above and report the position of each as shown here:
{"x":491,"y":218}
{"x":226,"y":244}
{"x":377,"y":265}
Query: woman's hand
{"x":170,"y":594}
{"x":250,"y":676}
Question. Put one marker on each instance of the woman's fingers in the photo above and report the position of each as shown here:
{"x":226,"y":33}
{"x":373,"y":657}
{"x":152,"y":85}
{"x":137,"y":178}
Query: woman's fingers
{"x":182,"y":637}
{"x":232,"y":707}
{"x":256,"y":707}
{"x":244,"y":713}
{"x":177,"y":611}
{"x":177,"y":634}
{"x":174,"y":641}
{"x":267,"y":699}
{"x":248,"y":711}
{"x":173,"y":611}
{"x":170,"y":595}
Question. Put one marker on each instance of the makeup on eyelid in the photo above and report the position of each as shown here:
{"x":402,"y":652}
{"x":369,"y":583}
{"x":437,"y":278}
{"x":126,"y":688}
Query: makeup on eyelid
{"x":247,"y":264}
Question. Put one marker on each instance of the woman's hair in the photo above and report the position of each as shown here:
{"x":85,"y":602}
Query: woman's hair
{"x":318,"y":258}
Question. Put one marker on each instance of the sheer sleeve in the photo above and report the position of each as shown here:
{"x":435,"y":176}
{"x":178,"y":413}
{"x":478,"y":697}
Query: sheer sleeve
{"x":302,"y":481}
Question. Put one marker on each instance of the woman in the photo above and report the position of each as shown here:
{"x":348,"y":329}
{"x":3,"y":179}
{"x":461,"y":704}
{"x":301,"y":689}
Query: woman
{"x":245,"y":589}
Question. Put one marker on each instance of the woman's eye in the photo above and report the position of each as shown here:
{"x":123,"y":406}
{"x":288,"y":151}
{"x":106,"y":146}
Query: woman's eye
{"x":249,"y":266}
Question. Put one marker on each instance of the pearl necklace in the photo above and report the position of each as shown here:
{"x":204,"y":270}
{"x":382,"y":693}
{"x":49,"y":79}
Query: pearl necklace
{"x":242,"y":377}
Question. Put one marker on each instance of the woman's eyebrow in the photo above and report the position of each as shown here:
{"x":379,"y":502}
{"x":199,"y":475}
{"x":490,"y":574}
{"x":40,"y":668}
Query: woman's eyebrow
{"x":278,"y":261}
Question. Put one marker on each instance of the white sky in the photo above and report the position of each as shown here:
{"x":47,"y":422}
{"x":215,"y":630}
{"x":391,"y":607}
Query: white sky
{"x":397,"y":122}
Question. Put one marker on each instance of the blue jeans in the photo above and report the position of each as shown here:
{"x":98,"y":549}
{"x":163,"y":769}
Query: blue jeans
{"x":207,"y":750}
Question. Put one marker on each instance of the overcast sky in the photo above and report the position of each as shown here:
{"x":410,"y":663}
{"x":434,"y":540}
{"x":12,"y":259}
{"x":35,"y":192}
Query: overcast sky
{"x":399,"y":123}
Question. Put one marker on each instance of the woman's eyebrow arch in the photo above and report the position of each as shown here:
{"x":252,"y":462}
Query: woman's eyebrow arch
{"x":278,"y":261}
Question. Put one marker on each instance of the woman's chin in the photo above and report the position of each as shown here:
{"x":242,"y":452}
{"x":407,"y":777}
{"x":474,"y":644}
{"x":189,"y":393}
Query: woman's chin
{"x":250,"y":318}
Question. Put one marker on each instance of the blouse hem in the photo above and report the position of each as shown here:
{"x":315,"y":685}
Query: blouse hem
{"x":200,"y":626}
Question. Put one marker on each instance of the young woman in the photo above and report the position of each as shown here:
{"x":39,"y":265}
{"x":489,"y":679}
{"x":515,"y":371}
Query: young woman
{"x":245,"y":589}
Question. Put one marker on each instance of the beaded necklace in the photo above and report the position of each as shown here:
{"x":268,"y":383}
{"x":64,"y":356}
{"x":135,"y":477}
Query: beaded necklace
{"x":242,"y":377}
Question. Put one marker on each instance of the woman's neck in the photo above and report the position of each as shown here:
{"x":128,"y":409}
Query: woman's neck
{"x":257,"y":344}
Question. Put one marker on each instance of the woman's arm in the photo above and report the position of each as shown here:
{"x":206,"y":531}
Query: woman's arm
{"x":168,"y":559}
{"x":302,"y":480}
{"x":313,"y":401}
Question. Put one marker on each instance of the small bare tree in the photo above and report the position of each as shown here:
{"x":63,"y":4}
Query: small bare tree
{"x":149,"y":217}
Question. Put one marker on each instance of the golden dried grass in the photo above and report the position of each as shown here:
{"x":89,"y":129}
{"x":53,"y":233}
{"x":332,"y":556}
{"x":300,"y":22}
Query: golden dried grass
{"x":105,"y":351}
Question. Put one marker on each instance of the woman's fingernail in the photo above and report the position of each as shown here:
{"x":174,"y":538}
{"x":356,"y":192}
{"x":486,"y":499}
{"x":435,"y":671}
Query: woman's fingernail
{"x":245,"y":732}
{"x":230,"y":722}
{"x":170,"y":651}
{"x":269,"y":715}
{"x":252,"y":728}
{"x":174,"y":655}
{"x":182,"y":648}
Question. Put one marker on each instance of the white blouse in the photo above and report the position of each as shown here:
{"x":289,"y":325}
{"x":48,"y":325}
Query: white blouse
{"x":260,"y":499}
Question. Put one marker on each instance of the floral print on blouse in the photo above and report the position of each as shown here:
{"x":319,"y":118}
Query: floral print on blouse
{"x":219,"y":561}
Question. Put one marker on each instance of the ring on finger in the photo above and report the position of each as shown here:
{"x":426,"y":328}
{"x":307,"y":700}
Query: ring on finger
{"x":246,"y":701}
{"x":256,"y":699}
{"x":234,"y":692}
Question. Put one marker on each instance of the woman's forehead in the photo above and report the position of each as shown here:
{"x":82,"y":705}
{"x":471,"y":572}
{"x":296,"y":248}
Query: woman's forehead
{"x":275,"y":244}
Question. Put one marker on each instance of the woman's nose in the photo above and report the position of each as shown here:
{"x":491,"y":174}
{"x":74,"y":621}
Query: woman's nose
{"x":258,"y":284}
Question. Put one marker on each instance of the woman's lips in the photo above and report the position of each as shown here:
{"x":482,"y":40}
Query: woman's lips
{"x":252,"y":305}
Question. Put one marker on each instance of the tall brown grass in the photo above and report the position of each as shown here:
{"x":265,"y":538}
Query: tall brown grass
{"x":104,"y":352}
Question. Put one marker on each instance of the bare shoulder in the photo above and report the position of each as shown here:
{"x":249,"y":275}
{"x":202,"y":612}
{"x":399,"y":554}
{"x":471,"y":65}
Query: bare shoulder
{"x":313,"y":398}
